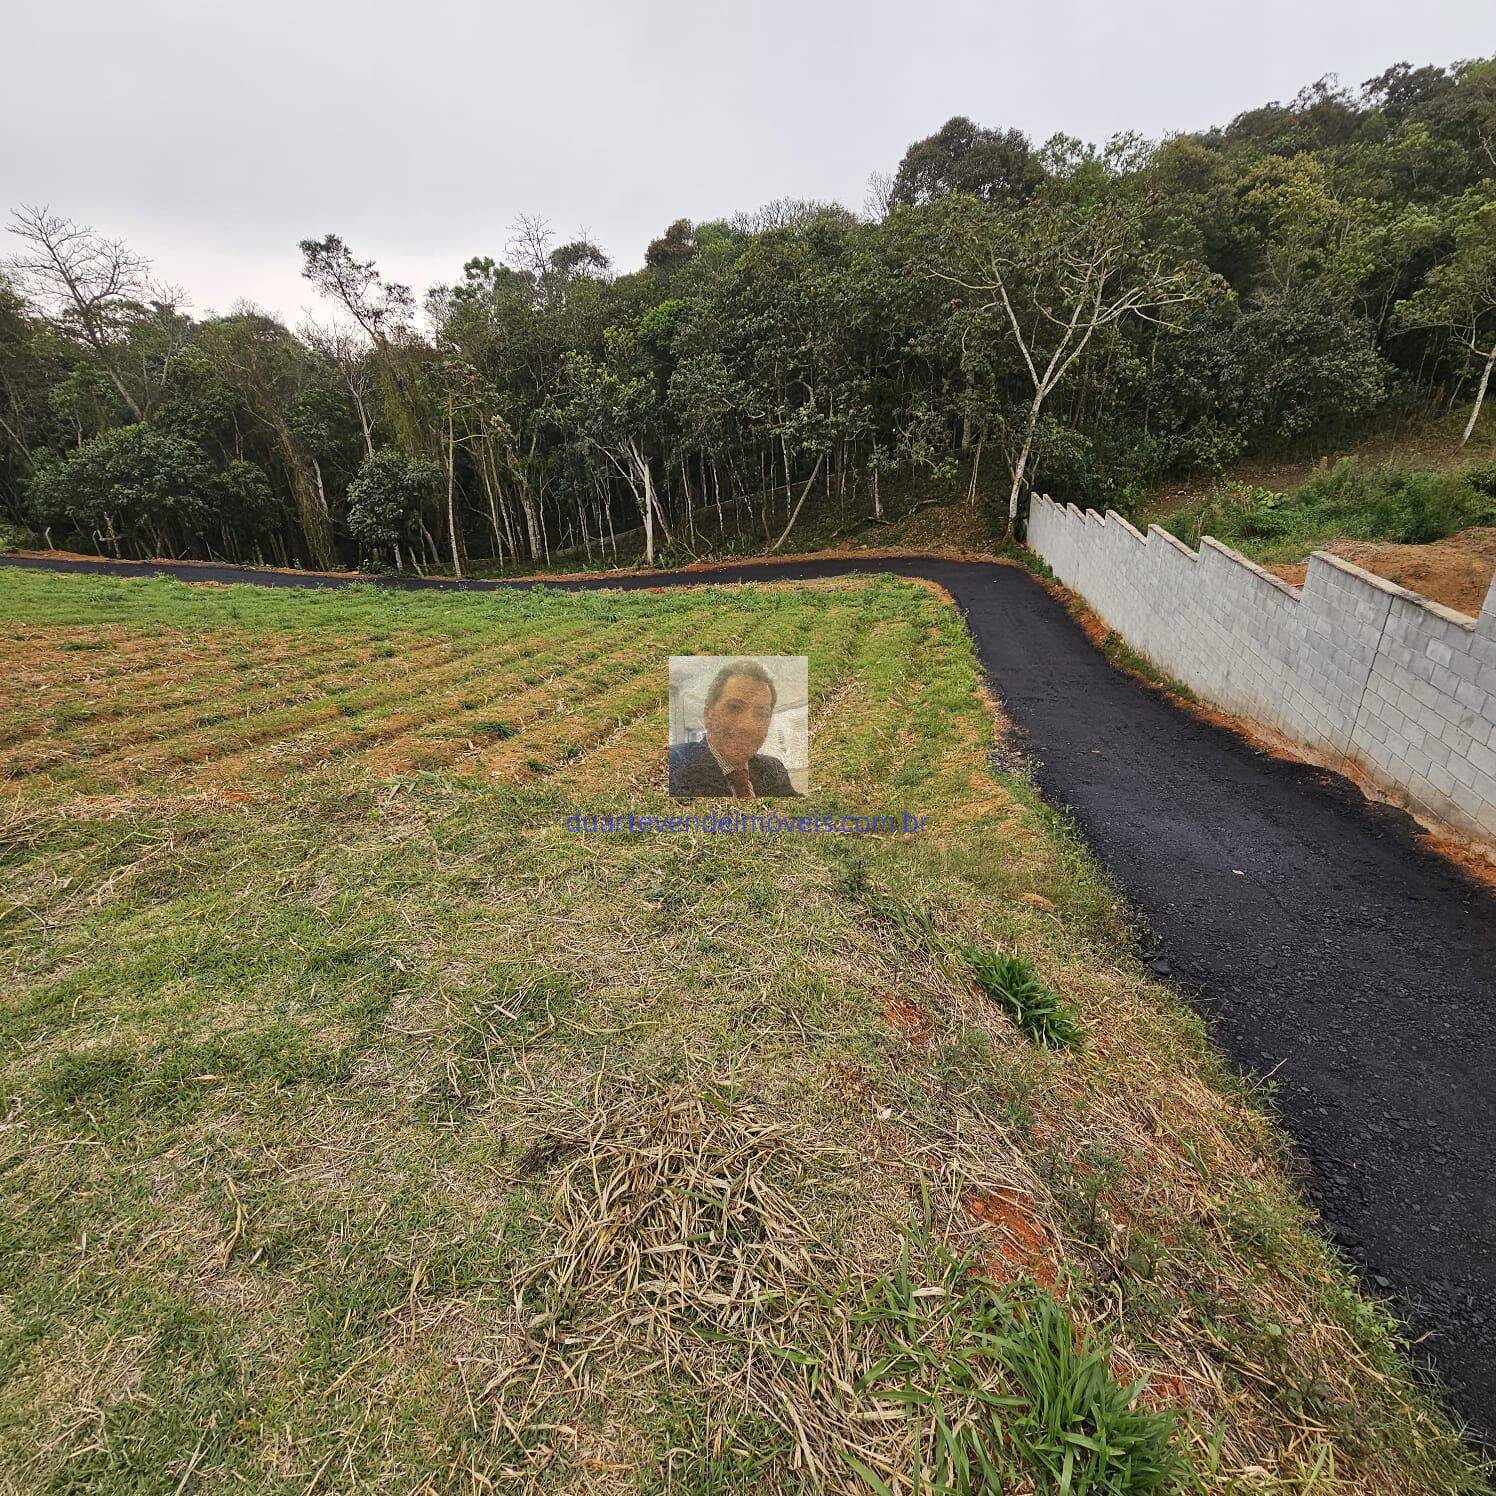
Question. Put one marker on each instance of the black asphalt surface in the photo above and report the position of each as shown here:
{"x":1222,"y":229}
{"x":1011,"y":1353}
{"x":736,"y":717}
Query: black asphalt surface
{"x":1325,"y":946}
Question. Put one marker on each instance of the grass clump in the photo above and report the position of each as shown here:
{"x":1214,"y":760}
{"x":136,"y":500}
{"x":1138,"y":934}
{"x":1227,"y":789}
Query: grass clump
{"x":1351,"y":500}
{"x":994,"y":1383}
{"x":1013,"y":984}
{"x":1009,"y":981}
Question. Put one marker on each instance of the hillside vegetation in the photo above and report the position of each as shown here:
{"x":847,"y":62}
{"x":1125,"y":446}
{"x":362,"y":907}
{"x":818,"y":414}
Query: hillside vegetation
{"x":1088,"y":319}
{"x":1407,"y":506}
{"x":363,"y":1128}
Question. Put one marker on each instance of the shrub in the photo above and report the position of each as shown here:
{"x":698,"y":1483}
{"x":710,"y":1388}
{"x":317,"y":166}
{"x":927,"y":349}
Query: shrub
{"x":1409,"y":506}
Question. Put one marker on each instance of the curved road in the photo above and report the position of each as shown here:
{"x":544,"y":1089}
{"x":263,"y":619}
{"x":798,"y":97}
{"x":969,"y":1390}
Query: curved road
{"x":1325,"y":946}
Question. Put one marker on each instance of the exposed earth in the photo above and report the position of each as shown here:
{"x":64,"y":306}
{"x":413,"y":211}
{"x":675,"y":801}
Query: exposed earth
{"x":1456,"y":571}
{"x":1333,"y":954}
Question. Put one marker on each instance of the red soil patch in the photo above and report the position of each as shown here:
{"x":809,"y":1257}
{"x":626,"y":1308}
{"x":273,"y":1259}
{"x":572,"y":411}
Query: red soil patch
{"x":1455,"y":571}
{"x":1023,"y":1248}
{"x":909,"y":1019}
{"x":835,"y":553}
{"x":1162,"y":1392}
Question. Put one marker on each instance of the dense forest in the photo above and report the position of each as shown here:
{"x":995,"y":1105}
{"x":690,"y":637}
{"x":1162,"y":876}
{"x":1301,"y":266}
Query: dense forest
{"x":1089,"y":319}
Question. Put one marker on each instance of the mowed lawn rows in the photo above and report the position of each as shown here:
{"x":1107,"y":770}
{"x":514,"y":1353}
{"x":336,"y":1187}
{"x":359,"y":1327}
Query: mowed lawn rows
{"x":222,"y":708}
{"x":363,"y":1129}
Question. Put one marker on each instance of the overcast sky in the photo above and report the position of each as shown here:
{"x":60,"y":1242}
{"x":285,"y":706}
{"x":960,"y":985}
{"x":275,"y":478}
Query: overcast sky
{"x":214,"y":137}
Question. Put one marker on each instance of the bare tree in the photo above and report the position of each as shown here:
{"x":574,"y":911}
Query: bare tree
{"x":529,"y":247}
{"x":1060,"y":275}
{"x":342,"y":349}
{"x":788,"y":213}
{"x":878,"y":198}
{"x":94,"y":282}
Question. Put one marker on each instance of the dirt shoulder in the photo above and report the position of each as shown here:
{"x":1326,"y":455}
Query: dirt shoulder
{"x":1456,"y":572}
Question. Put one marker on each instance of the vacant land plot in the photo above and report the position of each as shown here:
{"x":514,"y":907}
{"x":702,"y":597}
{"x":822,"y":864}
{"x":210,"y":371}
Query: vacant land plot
{"x":362,"y":1128}
{"x":1429,"y":530}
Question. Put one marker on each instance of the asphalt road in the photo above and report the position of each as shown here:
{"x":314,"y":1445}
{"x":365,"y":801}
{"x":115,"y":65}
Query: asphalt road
{"x":1327,"y":948}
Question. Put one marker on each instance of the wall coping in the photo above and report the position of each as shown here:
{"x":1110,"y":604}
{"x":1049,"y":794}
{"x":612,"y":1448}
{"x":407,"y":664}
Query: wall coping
{"x":1248,"y":564}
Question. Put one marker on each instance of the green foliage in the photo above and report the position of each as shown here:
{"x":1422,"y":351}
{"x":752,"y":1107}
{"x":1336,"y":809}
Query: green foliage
{"x":14,"y":537}
{"x":1389,"y":502}
{"x":673,"y":249}
{"x":386,"y":499}
{"x":1302,"y":362}
{"x":247,"y":502}
{"x":1000,"y":1386}
{"x":1460,"y":291}
{"x":130,"y":475}
{"x":1323,"y":258}
{"x":1013,"y":984}
{"x":992,"y":165}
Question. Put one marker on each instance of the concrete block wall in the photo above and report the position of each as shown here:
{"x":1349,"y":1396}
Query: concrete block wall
{"x":1355,"y":670}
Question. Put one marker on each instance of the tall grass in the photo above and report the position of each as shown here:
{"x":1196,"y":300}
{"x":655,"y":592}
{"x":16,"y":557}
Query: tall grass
{"x":1387,"y":502}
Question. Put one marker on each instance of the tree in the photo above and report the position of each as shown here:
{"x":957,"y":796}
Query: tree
{"x":1307,"y":233}
{"x":1460,"y":293}
{"x":672,"y":249}
{"x":385,"y":500}
{"x":269,"y":371}
{"x":247,"y":505}
{"x":350,"y":358}
{"x":877,"y":197}
{"x":609,"y":414}
{"x":1299,"y":362}
{"x":29,"y":371}
{"x":384,"y":310}
{"x":98,"y":284}
{"x":126,"y":486}
{"x":1402,"y":89}
{"x":580,"y":257}
{"x":994,"y":166}
{"x":1062,"y":273}
{"x":1003,"y":302}
{"x":378,"y":307}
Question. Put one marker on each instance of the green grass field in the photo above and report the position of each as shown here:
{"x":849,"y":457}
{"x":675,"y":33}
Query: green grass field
{"x":361,"y":1129}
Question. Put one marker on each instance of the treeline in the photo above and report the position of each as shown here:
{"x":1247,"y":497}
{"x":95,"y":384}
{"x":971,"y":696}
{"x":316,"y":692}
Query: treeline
{"x":1092,"y":319}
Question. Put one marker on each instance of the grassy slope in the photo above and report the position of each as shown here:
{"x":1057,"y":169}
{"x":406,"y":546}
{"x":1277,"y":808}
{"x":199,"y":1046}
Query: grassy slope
{"x":1426,"y":445}
{"x":364,"y":1129}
